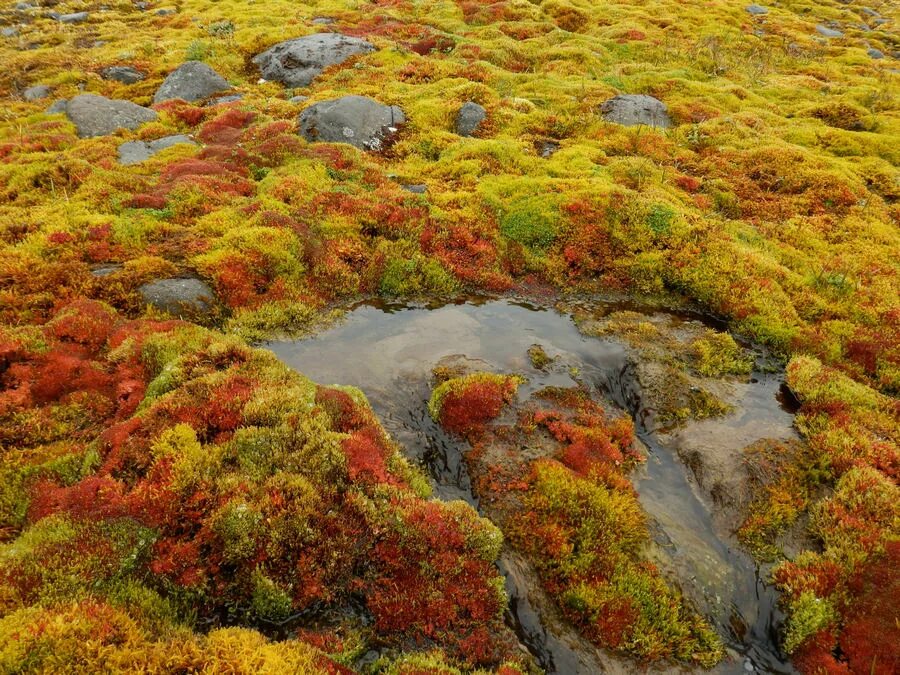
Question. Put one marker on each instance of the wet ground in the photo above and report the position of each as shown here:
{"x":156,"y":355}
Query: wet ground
{"x":388,"y":351}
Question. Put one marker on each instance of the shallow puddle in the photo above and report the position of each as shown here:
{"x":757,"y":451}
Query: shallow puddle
{"x":388,"y":351}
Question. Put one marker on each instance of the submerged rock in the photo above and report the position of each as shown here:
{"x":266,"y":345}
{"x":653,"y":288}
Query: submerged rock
{"x":357,"y":120}
{"x":191,"y":81}
{"x":98,"y":116}
{"x":469,"y":118}
{"x":135,"y":152}
{"x":123,"y":74}
{"x":181,"y":297}
{"x":297,"y":62}
{"x":635,"y":109}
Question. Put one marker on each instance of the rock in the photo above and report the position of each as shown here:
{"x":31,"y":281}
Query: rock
{"x":165,"y":12}
{"x":879,"y":22}
{"x":828,"y":32}
{"x":757,"y":10}
{"x":419,"y":189}
{"x":869,"y":11}
{"x":135,"y":152}
{"x":98,"y":116}
{"x":36,"y":92}
{"x":191,"y":81}
{"x":58,"y":106}
{"x":106,"y":270}
{"x":297,"y":62}
{"x":24,"y":6}
{"x":230,"y":98}
{"x":357,"y":120}
{"x":181,"y":297}
{"x":76,"y":17}
{"x":298,"y":99}
{"x":635,"y":109}
{"x":875,"y":53}
{"x":123,"y":74}
{"x":469,"y":118}
{"x":322,"y":21}
{"x":9,"y":32}
{"x":547,"y":148}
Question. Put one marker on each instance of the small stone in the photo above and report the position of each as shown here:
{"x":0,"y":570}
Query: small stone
{"x":297,"y":62}
{"x":322,"y":21}
{"x":362,"y":122}
{"x":875,"y":53}
{"x":757,"y":10}
{"x":231,"y":98}
{"x":469,"y":118}
{"x":58,"y":106}
{"x":142,"y":6}
{"x":76,"y":17}
{"x":9,"y":31}
{"x":547,"y":148}
{"x":636,"y":109}
{"x":187,"y":298}
{"x":419,"y":188}
{"x":828,"y":32}
{"x":879,"y":22}
{"x":298,"y":99}
{"x":748,"y":666}
{"x":99,"y":116}
{"x":123,"y":74}
{"x":36,"y":92}
{"x":135,"y":152}
{"x":869,"y":11}
{"x":24,"y":6}
{"x":165,"y":12}
{"x":191,"y":81}
{"x":106,"y":270}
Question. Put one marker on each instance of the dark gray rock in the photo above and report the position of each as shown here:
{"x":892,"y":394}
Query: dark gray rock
{"x":75,"y":17}
{"x":297,"y":62}
{"x":357,"y":120}
{"x":165,"y":12}
{"x":182,"y":297}
{"x":547,"y":149}
{"x":230,"y":98}
{"x":469,"y":118}
{"x":635,"y":109}
{"x":36,"y":92}
{"x":191,"y":81}
{"x":58,"y":106}
{"x":135,"y":152}
{"x":875,"y":53}
{"x":98,"y":116}
{"x":419,"y":188}
{"x":123,"y":74}
{"x":757,"y":10}
{"x":828,"y":32}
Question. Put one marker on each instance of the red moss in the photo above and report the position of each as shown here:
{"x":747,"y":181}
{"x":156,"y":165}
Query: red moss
{"x":467,"y":410}
{"x":93,"y":498}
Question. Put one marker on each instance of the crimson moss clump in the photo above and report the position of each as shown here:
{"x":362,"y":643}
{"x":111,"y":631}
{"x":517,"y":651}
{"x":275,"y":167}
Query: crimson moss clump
{"x":463,"y":405}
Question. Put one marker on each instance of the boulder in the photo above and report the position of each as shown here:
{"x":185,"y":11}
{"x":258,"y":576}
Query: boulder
{"x":191,"y":81}
{"x":297,"y":62}
{"x":36,"y":93}
{"x":98,"y":116}
{"x":181,"y":297}
{"x":135,"y":152}
{"x":357,"y":120}
{"x":469,"y":118}
{"x":123,"y":74}
{"x":635,"y":109}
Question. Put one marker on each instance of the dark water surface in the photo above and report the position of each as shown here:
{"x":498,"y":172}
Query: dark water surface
{"x":388,"y":352}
